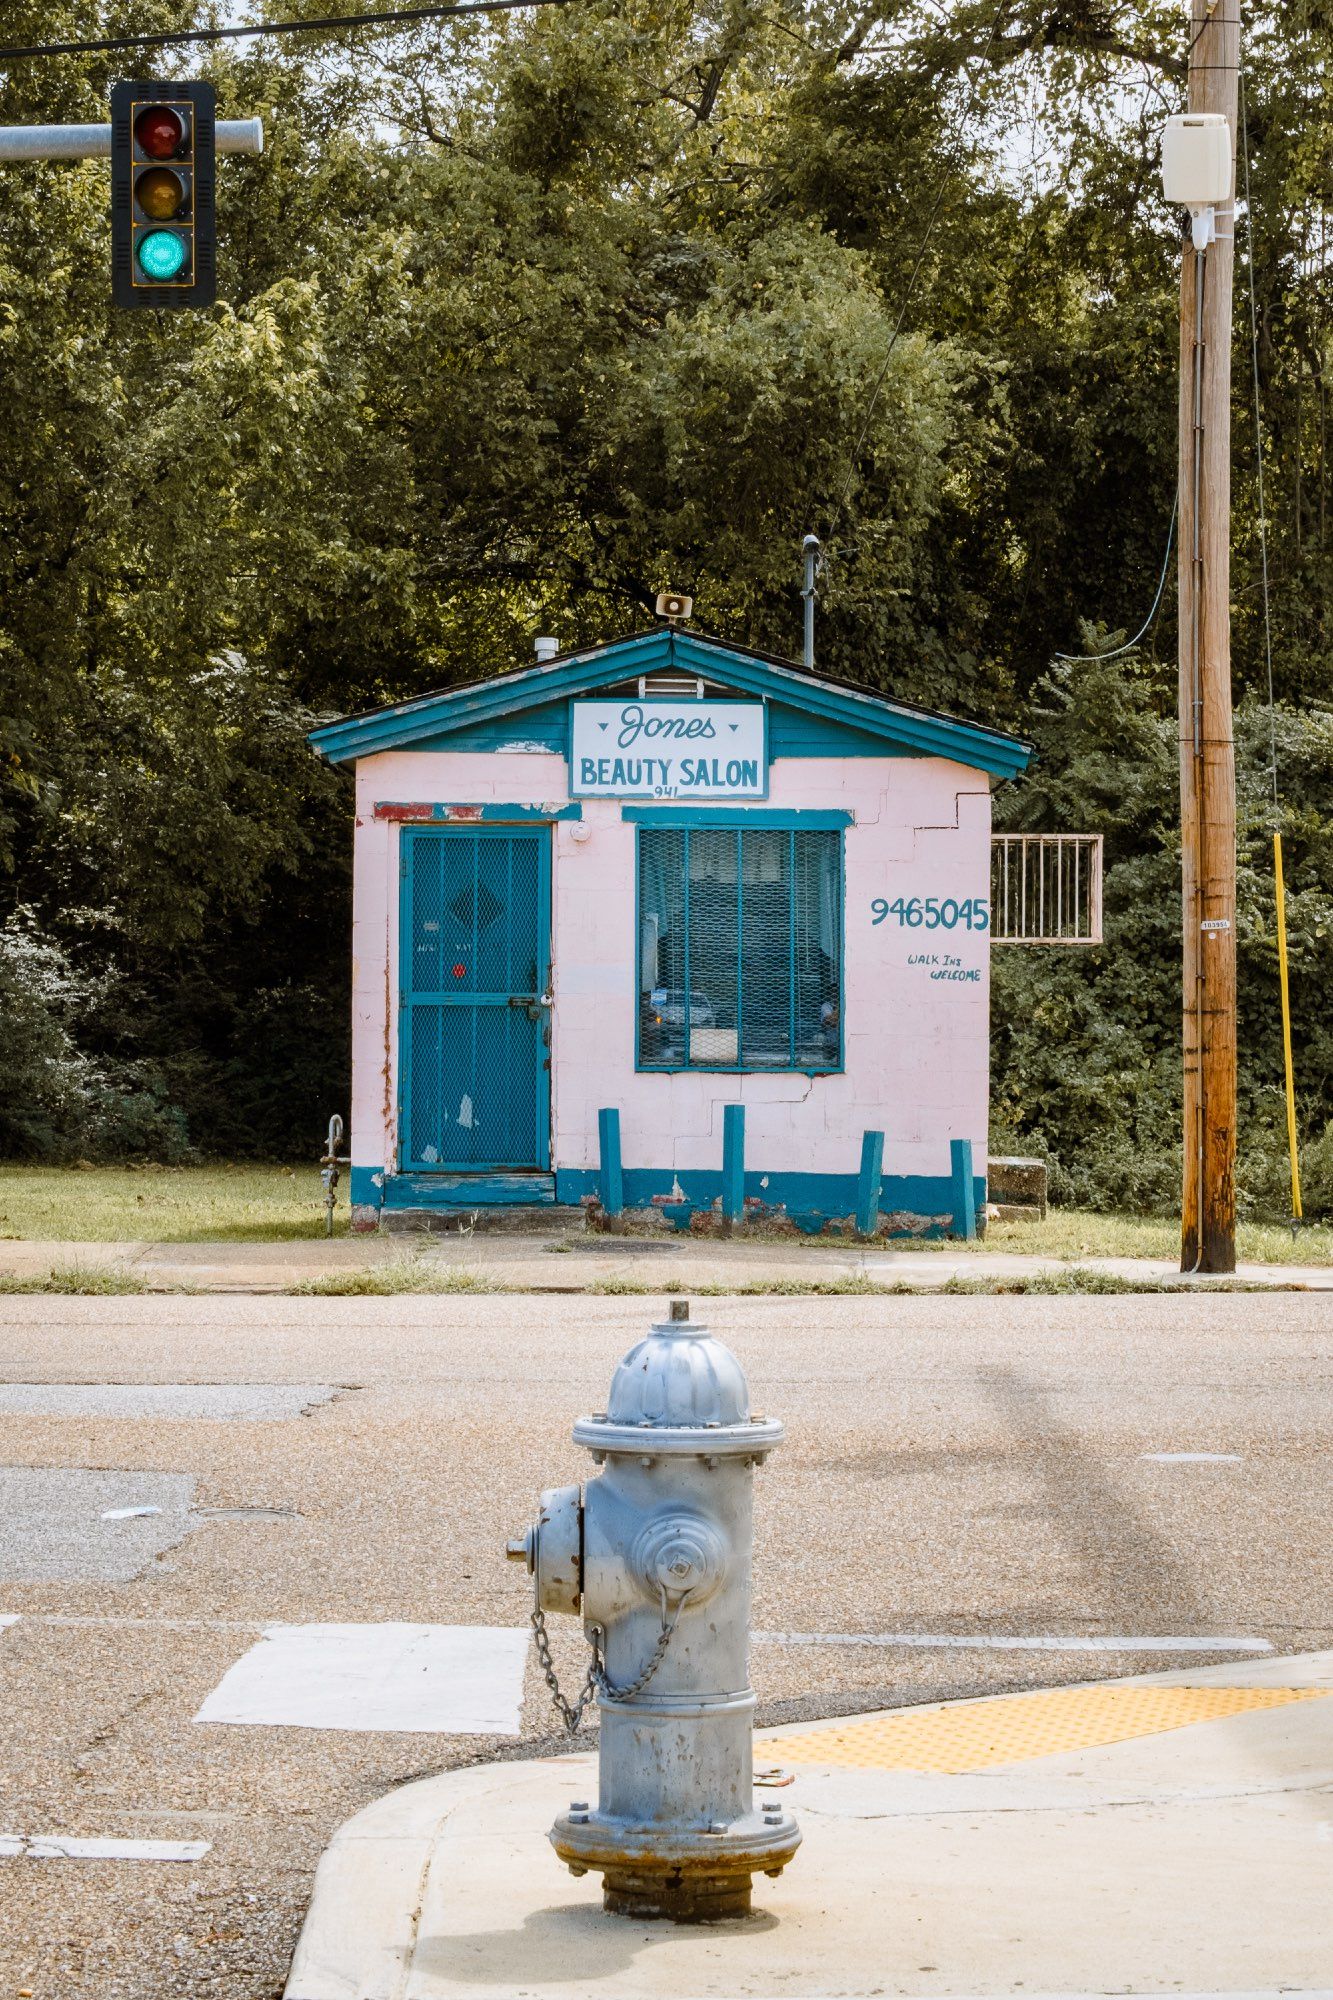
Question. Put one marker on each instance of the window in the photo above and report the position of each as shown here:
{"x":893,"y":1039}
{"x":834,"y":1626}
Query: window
{"x":740,"y":948}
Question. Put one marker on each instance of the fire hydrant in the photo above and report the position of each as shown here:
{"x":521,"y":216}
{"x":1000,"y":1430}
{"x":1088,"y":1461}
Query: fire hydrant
{"x":657,"y":1553}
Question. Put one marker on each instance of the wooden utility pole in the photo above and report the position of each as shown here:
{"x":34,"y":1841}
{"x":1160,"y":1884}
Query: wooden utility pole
{"x":1207,"y":761}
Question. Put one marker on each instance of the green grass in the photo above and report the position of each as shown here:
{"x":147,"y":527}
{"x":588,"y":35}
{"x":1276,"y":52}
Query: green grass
{"x":214,"y":1204}
{"x":84,"y":1280}
{"x":249,"y":1204}
{"x":1052,"y":1284}
{"x":396,"y":1275}
{"x":428,"y":1276}
{"x":425,"y":1277}
{"x":854,"y":1286}
{"x":1071,"y":1233}
{"x":1077,"y":1278}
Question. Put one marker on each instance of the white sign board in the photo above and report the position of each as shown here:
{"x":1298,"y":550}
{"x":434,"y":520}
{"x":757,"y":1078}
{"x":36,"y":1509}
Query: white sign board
{"x":653,"y":749}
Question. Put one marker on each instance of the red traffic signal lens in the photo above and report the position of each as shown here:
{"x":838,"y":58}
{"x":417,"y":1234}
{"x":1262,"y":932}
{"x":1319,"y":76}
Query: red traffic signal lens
{"x":159,"y":132}
{"x":160,"y":194}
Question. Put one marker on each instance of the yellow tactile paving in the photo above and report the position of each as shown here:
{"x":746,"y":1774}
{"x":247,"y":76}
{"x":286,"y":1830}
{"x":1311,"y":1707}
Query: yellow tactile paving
{"x":1011,"y":1729}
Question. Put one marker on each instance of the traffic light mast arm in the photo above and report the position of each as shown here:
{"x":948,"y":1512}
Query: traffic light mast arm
{"x":93,"y":142}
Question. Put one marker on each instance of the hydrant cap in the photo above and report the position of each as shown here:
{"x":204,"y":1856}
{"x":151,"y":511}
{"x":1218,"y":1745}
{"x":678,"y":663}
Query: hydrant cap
{"x":680,"y":1377}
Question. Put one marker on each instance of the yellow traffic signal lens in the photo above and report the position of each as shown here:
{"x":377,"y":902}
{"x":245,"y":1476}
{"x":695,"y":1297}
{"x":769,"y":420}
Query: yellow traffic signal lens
{"x":160,"y":132}
{"x":161,"y":255}
{"x":160,"y":193}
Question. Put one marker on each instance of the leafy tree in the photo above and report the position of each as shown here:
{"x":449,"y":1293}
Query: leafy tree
{"x":523,"y":319}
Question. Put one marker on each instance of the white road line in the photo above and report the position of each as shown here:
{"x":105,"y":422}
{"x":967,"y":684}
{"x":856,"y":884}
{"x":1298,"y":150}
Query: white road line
{"x":453,"y":1680}
{"x":80,"y":1619}
{"x":993,"y":1641}
{"x":64,"y":1847}
{"x":1004,"y":1642}
{"x":1191,"y":1457}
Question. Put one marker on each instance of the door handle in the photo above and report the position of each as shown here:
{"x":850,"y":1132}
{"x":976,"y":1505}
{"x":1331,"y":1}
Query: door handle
{"x":530,"y":1004}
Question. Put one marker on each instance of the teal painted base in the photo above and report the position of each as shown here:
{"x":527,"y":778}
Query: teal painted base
{"x":809,"y":1199}
{"x":373,"y":1189}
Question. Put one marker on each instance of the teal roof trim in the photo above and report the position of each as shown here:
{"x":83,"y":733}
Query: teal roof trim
{"x":922,"y":732}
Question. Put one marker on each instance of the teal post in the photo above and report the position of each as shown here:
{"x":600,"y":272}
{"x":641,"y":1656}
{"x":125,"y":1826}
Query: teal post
{"x":611,"y":1183}
{"x":964,"y":1190}
{"x":868,"y":1185}
{"x":733,"y":1162}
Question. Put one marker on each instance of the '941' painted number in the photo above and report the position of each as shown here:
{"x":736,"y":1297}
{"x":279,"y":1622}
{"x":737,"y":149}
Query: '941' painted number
{"x":933,"y":913}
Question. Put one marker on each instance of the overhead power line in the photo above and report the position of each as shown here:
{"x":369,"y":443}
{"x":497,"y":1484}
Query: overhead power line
{"x":393,"y":17}
{"x":1085,"y":659}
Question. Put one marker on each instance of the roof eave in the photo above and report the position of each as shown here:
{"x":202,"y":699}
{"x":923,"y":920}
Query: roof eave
{"x":579,"y":672}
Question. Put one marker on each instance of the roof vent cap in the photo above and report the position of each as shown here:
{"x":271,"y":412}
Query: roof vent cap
{"x":546,"y":649}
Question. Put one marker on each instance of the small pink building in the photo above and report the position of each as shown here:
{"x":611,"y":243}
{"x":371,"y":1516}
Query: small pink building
{"x":673,"y":924}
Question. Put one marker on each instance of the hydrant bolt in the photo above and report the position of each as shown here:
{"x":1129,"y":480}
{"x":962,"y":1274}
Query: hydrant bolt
{"x":655,"y":1552}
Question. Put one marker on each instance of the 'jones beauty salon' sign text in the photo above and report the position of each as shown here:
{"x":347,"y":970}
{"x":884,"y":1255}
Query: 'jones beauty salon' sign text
{"x":668,"y":750}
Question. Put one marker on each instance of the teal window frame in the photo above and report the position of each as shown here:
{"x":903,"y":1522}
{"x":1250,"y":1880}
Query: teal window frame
{"x":739,"y":822}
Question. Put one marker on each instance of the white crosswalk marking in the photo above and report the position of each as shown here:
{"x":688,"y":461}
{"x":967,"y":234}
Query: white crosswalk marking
{"x":1027,"y":1642}
{"x":453,"y":1680}
{"x":68,"y":1847}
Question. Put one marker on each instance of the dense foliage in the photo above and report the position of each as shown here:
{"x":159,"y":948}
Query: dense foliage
{"x":524,"y":319}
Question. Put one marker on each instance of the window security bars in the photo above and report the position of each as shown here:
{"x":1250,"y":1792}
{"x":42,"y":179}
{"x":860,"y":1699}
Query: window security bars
{"x":1046,"y":888}
{"x":740,"y":948}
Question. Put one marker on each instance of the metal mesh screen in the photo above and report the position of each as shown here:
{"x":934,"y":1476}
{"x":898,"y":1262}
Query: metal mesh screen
{"x":740,"y":948}
{"x":472,"y":1047}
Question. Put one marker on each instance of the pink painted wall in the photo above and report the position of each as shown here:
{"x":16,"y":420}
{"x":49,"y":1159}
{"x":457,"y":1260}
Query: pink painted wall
{"x":916,"y":1006}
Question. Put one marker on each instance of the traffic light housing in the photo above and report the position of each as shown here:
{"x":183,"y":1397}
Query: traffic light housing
{"x":163,"y":227}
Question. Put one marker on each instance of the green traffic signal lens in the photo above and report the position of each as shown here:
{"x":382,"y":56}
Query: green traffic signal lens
{"x":161,"y":255}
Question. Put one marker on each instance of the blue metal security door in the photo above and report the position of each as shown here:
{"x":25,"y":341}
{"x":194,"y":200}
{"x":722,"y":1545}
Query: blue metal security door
{"x":475,"y":1091}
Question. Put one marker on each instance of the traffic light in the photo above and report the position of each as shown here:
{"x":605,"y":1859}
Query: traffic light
{"x":163,"y":231}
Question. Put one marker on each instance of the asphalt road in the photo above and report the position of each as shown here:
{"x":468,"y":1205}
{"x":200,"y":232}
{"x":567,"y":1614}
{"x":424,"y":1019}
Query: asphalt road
{"x":974,"y":1470}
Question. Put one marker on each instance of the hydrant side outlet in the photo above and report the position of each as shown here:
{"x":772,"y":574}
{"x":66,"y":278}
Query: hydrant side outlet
{"x":658,"y":1555}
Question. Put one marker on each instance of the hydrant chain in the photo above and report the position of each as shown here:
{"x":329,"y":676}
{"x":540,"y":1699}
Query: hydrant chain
{"x":571,"y":1712}
{"x":597,"y":1683}
{"x":634,"y":1687}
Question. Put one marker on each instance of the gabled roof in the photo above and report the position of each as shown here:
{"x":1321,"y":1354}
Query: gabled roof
{"x":921,"y":732}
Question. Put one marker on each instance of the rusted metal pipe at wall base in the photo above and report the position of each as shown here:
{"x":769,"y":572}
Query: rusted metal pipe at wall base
{"x":656,"y":1555}
{"x":329,"y":1165}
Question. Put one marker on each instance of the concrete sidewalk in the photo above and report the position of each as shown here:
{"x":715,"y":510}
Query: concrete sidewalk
{"x":575,"y":1262}
{"x":1168,"y":1834}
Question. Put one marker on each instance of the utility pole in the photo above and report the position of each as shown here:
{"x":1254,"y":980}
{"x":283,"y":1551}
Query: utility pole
{"x":1207,"y":759}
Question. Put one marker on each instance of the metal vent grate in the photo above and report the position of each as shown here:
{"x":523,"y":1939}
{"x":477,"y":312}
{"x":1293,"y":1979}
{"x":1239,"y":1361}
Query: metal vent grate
{"x":740,"y":948}
{"x":672,"y":686}
{"x":1046,"y":888}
